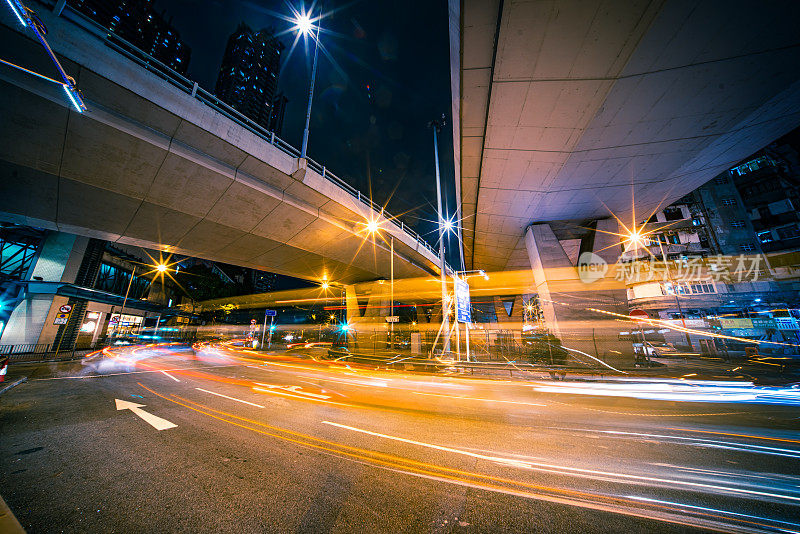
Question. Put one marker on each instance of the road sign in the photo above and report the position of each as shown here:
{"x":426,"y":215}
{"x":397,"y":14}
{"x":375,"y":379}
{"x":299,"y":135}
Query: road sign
{"x":61,"y":318}
{"x":252,"y":321}
{"x":270,"y":313}
{"x":463,"y":312}
{"x":393,"y":319}
{"x":638,"y":314}
{"x":66,"y":308}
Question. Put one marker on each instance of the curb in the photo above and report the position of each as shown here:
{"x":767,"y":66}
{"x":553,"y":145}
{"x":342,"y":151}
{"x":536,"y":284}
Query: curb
{"x":11,"y":385}
{"x":9,"y":523}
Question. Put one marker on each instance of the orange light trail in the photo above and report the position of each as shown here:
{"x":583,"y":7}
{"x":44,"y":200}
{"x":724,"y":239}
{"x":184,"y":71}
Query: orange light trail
{"x":664,"y":324}
{"x":595,"y":501}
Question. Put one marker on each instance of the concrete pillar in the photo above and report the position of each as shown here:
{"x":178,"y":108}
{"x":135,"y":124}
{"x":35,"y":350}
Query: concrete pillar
{"x":568,"y":296}
{"x":506,"y":321}
{"x":378,"y":303}
{"x":351,"y":302}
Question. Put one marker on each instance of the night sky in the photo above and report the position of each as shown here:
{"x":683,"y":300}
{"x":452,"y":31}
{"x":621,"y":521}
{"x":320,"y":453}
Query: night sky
{"x":386,"y":76}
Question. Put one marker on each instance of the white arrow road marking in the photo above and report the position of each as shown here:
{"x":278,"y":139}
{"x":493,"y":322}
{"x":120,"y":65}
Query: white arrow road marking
{"x":153,"y":420}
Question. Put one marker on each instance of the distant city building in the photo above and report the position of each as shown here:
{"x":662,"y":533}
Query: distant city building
{"x":769,"y":187}
{"x":248,"y":77}
{"x":262,"y":282}
{"x":137,"y":22}
{"x":733,"y":253}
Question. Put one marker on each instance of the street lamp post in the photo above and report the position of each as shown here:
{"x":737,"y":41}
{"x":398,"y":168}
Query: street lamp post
{"x":436,"y":125}
{"x":305,"y":26}
{"x":124,"y":301}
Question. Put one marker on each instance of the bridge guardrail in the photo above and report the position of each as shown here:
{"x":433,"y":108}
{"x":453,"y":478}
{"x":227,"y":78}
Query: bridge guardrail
{"x":177,"y":80}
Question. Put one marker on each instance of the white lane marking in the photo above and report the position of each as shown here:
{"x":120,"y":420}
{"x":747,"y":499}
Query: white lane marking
{"x":478,"y":399}
{"x":169,"y":375}
{"x":519,"y":463}
{"x":136,"y":372}
{"x":153,"y":420}
{"x":276,"y":392}
{"x":231,"y":398}
{"x":573,"y":471}
{"x":293,"y":389}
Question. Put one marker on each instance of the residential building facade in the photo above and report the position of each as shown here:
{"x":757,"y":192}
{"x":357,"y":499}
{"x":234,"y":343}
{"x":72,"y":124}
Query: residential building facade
{"x":140,"y":24}
{"x":248,"y":76}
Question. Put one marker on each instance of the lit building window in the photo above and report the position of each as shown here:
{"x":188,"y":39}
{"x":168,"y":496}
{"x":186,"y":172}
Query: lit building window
{"x":753,"y":165}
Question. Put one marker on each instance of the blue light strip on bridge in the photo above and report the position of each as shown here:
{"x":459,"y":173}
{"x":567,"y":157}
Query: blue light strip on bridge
{"x":18,"y":10}
{"x":72,"y":94}
{"x":28,"y":18}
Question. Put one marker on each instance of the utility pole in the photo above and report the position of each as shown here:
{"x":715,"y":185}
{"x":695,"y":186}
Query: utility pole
{"x":675,"y":290}
{"x":391,"y":292}
{"x":125,"y":300}
{"x":437,"y":125}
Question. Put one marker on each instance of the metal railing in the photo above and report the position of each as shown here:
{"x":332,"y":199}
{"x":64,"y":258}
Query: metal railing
{"x":177,"y":80}
{"x":29,"y":352}
{"x":25,"y":348}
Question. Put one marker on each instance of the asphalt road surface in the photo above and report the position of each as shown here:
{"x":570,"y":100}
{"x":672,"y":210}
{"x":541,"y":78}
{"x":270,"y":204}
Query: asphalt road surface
{"x":215,"y":438}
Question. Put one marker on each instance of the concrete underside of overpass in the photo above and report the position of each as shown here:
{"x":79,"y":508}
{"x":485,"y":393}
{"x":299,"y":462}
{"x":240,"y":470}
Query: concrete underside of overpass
{"x":571,"y":111}
{"x":149,"y":165}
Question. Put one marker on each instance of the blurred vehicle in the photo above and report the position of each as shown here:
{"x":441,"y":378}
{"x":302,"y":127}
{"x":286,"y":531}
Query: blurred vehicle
{"x":118,"y":341}
{"x":772,"y":370}
{"x":3,"y":367}
{"x":338,"y":352}
{"x":660,"y":350}
{"x":544,"y":347}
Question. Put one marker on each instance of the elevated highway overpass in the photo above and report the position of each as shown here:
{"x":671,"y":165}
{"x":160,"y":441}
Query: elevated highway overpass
{"x":158,"y":162}
{"x":569,"y":111}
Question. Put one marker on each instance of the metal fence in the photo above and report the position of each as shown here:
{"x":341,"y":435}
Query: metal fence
{"x":30,"y":348}
{"x":45,"y":351}
{"x":148,"y":62}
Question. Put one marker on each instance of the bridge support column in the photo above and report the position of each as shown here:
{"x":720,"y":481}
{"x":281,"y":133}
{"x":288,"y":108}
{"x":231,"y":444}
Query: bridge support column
{"x":351,"y":301}
{"x":569,"y":293}
{"x":509,"y":311}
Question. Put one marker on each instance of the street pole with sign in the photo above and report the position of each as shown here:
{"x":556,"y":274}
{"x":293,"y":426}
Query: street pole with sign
{"x":264,"y":331}
{"x":463,"y":308}
{"x":271,"y":314}
{"x":62,"y":318}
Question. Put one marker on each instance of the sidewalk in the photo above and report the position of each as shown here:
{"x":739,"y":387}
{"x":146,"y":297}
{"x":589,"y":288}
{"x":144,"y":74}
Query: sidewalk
{"x":44,"y":369}
{"x":9,"y":523}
